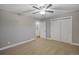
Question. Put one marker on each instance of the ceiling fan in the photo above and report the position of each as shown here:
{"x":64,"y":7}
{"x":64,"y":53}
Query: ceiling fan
{"x":39,"y":9}
{"x":43,"y":9}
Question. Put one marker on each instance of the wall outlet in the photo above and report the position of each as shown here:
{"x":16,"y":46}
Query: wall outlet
{"x":8,"y":42}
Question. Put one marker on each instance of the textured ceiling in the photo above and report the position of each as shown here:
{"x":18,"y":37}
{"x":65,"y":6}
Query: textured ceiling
{"x":57,"y":8}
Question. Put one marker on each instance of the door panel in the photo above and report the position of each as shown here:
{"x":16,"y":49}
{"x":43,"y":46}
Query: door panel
{"x":66,"y":30}
{"x":55,"y":30}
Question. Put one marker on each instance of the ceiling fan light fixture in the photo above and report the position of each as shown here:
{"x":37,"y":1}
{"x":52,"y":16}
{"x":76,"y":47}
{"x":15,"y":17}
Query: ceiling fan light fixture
{"x":42,"y":12}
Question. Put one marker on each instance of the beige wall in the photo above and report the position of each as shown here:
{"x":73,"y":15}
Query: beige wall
{"x":75,"y":28}
{"x":48,"y":29}
{"x":14,"y":28}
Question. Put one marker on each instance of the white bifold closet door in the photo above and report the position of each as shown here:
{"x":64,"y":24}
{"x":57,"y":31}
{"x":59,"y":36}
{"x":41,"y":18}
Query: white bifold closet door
{"x":66,"y":30}
{"x":55,"y":30}
{"x":61,"y":30}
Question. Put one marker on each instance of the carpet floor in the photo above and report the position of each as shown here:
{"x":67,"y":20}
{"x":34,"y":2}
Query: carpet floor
{"x":41,"y":46}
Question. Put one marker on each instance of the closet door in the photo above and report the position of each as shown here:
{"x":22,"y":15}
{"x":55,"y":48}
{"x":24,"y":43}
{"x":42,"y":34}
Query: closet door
{"x":55,"y":30}
{"x":66,"y":30}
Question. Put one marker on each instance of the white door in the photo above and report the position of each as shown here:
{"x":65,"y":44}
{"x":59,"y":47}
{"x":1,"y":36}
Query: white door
{"x":55,"y":30}
{"x":66,"y":30}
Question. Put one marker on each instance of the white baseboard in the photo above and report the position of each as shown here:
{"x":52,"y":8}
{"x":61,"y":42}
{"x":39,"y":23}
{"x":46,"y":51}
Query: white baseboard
{"x":76,"y":44}
{"x":16,"y":44}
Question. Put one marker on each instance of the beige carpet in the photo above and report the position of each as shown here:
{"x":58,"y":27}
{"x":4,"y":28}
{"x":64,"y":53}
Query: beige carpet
{"x":42,"y":47}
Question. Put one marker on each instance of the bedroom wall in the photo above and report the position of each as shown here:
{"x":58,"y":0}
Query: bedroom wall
{"x":48,"y":30}
{"x":14,"y":28}
{"x":75,"y":28}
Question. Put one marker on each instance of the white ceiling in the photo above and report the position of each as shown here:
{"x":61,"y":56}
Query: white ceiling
{"x":57,"y":8}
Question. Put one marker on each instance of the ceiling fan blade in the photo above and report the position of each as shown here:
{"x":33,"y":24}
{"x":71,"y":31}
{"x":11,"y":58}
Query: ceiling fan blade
{"x":50,"y":11}
{"x":35,"y":12}
{"x":19,"y":14}
{"x":36,"y":7}
{"x":59,"y":9}
{"x":49,"y":6}
{"x":8,"y":11}
{"x":23,"y":12}
{"x":28,"y":11}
